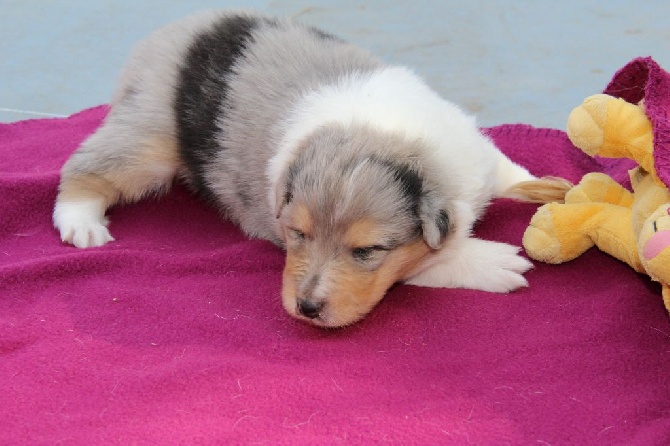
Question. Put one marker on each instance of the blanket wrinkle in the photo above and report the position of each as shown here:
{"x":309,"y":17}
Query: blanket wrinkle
{"x":175,"y":332}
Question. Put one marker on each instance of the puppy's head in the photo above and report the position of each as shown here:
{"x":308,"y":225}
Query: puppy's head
{"x":357,"y":214}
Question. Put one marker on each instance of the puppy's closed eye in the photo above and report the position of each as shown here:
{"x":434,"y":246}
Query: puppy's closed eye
{"x":296,"y":235}
{"x":365,"y":253}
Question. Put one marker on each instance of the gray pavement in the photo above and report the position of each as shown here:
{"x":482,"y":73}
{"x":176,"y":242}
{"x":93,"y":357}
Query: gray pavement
{"x":507,"y":61}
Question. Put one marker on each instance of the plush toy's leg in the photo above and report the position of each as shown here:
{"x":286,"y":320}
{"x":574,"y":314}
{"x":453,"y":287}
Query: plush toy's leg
{"x":612,"y":128}
{"x":597,"y":187}
{"x":561,"y":232}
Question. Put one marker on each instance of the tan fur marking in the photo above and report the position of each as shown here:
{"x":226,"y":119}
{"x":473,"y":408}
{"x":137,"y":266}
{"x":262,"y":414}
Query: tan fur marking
{"x":163,"y":151}
{"x":363,"y":232}
{"x":355,"y":291}
{"x":409,"y":256}
{"x":149,"y":170}
{"x":289,"y":280}
{"x":75,"y":188}
{"x":301,"y":219}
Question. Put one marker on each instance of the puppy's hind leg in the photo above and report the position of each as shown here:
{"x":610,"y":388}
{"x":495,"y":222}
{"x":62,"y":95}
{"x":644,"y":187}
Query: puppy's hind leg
{"x":114,"y":165}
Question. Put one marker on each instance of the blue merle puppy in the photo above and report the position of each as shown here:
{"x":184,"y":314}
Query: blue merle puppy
{"x":362,"y":173}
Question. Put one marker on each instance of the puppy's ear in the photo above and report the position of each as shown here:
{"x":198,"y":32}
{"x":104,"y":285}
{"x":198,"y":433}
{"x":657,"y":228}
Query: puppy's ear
{"x":435,"y":221}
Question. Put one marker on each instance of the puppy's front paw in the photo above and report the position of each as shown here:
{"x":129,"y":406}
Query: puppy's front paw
{"x":475,"y":264}
{"x":502,"y":269}
{"x":82,"y":224}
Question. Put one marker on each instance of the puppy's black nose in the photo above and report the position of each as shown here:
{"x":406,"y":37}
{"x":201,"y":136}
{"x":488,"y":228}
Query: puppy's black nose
{"x":309,"y":308}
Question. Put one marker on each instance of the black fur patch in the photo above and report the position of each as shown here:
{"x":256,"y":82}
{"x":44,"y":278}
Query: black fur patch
{"x":411,"y":183}
{"x":203,"y":87}
{"x":202,"y":90}
{"x":411,"y":186}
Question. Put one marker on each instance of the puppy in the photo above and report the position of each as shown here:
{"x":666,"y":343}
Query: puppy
{"x":363,"y":174}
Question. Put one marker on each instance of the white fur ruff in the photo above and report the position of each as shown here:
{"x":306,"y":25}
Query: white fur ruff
{"x":455,"y":148}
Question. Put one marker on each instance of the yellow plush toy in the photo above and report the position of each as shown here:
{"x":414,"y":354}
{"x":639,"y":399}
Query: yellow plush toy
{"x":633,"y":227}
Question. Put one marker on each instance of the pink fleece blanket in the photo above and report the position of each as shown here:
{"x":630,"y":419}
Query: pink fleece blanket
{"x":175,"y":334}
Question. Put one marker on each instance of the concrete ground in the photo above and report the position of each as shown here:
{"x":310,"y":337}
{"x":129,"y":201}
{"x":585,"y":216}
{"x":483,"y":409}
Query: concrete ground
{"x":508,"y":61}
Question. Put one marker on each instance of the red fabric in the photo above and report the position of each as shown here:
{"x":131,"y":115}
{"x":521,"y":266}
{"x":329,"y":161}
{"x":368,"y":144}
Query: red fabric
{"x":175,"y":334}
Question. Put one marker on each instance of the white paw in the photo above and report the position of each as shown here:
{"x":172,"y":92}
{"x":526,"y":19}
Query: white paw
{"x":82,"y":224}
{"x":501,"y":271}
{"x":475,"y":264}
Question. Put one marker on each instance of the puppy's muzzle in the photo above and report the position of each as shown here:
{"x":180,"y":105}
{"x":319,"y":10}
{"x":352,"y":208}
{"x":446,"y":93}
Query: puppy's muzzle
{"x":309,"y":308}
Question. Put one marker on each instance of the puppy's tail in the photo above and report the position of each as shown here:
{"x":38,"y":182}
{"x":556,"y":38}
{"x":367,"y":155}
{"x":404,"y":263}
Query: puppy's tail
{"x":541,"y":190}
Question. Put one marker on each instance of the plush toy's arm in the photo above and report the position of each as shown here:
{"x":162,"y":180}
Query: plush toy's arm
{"x":561,"y":232}
{"x":596,"y":212}
{"x":612,"y":128}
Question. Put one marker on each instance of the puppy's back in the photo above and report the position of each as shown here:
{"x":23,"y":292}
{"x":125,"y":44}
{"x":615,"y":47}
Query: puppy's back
{"x":237,"y":83}
{"x":216,"y":86}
